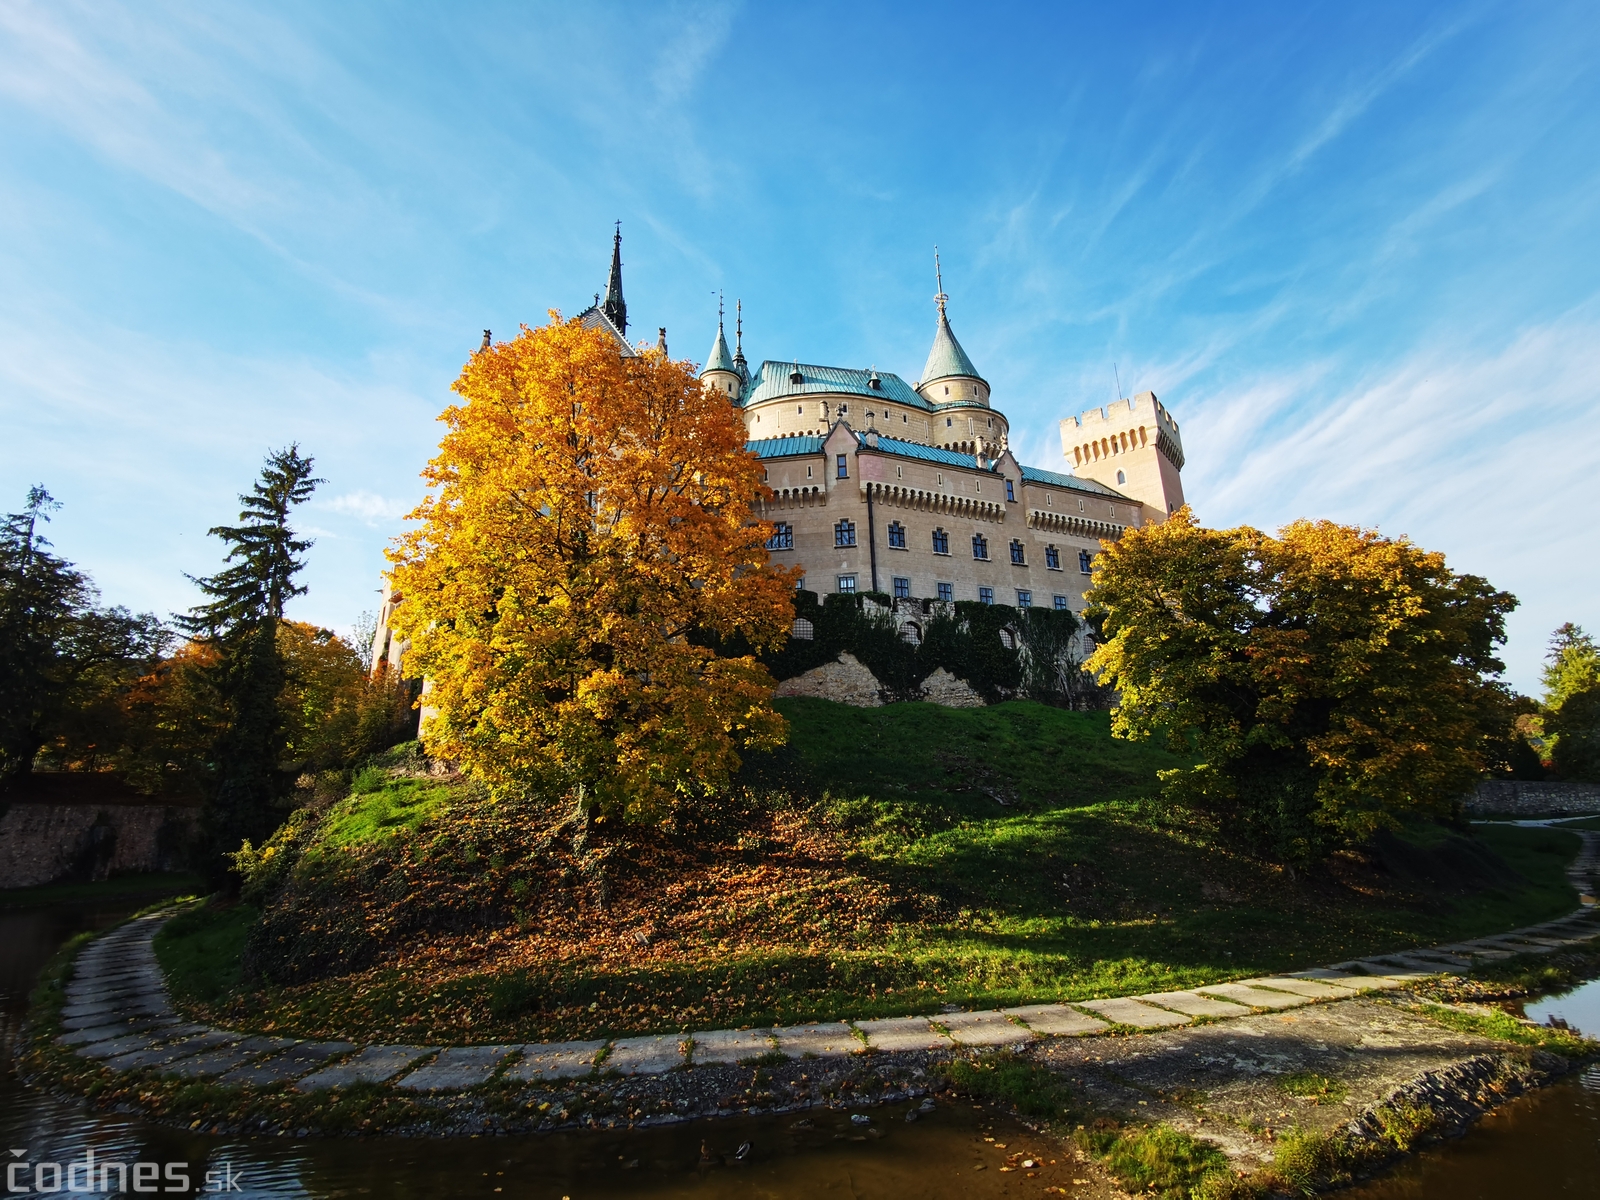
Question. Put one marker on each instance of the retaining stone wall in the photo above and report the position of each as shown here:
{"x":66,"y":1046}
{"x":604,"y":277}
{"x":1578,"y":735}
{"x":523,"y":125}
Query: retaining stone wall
{"x":46,"y":843}
{"x":1515,"y":797}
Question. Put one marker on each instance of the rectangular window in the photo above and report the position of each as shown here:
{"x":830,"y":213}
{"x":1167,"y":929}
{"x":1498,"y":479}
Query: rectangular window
{"x":1083,"y":561}
{"x":941,"y":542}
{"x":1011,"y":496}
{"x":847,"y":585}
{"x":1018,"y":554}
{"x":985,"y":595}
{"x":1024,"y":599}
{"x":897,"y":536}
{"x":947,"y":592}
{"x":844,"y":533}
{"x":800,"y":584}
{"x":782,"y":537}
{"x":1061,"y":604}
{"x":1052,"y":558}
{"x":980,"y":547}
{"x":844,"y":466}
{"x":902,"y":588}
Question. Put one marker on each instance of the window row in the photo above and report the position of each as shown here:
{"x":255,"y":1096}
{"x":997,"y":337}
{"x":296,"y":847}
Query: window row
{"x":844,"y":534}
{"x":846,"y":586}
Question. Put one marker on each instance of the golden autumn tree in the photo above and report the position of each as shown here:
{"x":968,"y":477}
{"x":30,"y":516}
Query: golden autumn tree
{"x":1326,"y":680}
{"x":590,"y":529}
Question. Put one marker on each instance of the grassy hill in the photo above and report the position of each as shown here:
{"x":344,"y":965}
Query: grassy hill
{"x":889,"y":861}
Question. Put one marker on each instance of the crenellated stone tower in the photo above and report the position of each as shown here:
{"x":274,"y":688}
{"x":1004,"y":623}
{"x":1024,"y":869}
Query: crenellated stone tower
{"x":1132,"y":446}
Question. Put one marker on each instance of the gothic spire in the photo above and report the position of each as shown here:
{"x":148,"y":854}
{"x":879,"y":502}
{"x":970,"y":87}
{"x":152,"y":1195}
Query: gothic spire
{"x":739,"y":363}
{"x":615,"y":306}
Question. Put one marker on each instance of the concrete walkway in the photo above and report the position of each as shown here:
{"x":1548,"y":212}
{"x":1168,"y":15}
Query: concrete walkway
{"x":118,"y":1012}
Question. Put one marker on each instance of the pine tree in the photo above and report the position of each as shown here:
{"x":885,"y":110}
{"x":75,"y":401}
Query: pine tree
{"x":241,"y":618}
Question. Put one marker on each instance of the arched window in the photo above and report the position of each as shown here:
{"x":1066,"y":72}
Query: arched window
{"x":844,"y":533}
{"x":1018,"y":554}
{"x":941,"y":542}
{"x":980,"y":546}
{"x":1008,"y":639}
{"x":911,"y":632}
{"x":1122,"y":477}
{"x":803,"y":629}
{"x":897,"y":536}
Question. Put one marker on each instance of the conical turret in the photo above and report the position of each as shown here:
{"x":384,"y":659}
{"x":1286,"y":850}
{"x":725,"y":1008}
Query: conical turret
{"x":720,"y":371}
{"x":949,"y":374}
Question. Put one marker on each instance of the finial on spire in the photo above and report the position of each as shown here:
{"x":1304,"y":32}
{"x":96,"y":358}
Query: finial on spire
{"x":616,"y":307}
{"x":719,"y":308}
{"x":738,"y":328}
{"x":938,"y":274}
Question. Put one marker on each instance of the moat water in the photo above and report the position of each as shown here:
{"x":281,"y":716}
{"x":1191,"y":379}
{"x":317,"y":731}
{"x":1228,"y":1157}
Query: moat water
{"x":1547,"y":1144}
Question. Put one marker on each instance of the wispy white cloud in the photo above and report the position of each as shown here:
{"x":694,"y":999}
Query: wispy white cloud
{"x":1478,"y":451}
{"x":370,"y":507}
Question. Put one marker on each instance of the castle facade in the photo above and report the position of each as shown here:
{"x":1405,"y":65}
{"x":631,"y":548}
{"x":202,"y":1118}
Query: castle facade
{"x":911,"y":491}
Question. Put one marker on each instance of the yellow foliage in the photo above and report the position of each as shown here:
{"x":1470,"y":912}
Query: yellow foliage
{"x":591,"y":524}
{"x":1327,"y":654}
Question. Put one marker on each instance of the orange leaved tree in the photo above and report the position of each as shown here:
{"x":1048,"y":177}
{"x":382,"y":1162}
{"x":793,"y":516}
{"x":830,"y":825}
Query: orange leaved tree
{"x":1328,"y":681}
{"x":591,"y":528}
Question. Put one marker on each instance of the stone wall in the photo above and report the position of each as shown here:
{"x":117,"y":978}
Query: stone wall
{"x":1515,"y":797}
{"x":48,"y":843}
{"x":846,"y":680}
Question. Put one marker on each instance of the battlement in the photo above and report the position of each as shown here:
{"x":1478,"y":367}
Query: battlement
{"x":1121,"y":427}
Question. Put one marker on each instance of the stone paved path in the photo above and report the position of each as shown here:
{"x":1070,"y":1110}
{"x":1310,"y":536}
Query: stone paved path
{"x":118,"y":1012}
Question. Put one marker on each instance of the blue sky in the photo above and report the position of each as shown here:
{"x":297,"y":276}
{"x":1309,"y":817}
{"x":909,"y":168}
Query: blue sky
{"x":1353,"y":247}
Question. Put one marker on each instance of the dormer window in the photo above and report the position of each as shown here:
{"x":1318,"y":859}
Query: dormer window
{"x":796,"y":377}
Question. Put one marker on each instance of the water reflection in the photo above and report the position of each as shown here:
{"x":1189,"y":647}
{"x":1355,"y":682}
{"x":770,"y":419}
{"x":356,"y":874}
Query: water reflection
{"x":1578,"y":1009}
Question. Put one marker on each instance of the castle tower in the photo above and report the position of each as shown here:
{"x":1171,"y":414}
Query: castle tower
{"x":721,"y":372}
{"x":1132,"y":446}
{"x":949,"y":376}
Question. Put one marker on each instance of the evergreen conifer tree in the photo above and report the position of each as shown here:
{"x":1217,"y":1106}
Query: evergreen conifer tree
{"x":241,"y":618}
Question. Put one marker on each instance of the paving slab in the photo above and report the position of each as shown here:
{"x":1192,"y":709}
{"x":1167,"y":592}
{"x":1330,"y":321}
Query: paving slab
{"x":1255,"y":997}
{"x":1130,"y":1012}
{"x":555,"y":1060}
{"x":1344,"y":979}
{"x":296,"y":1061}
{"x":102,"y":1008}
{"x":731,"y":1045}
{"x":457,"y":1069}
{"x":984,"y":1028}
{"x":903,"y":1033}
{"x":648,"y":1055}
{"x":116,"y":1046}
{"x":89,"y":1034}
{"x":211,"y":1062}
{"x":172,"y":1051}
{"x":1383,"y":977}
{"x":375,"y":1064}
{"x":825,"y":1040}
{"x":1194,"y":1004}
{"x":1311,"y":989}
{"x":1056,"y":1020}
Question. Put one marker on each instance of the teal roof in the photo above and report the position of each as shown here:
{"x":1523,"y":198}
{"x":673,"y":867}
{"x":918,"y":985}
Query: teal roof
{"x":719,"y":359}
{"x":947,"y":358}
{"x":950,"y":458}
{"x":772,"y":383}
{"x":784,"y":447}
{"x":1073,"y":482}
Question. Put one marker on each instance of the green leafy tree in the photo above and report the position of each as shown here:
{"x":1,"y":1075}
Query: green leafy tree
{"x":241,"y":620}
{"x":1572,"y":704}
{"x":1327,"y":680}
{"x":64,"y":660}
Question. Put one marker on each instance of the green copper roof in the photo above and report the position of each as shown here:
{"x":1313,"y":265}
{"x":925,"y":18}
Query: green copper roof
{"x":784,"y":447}
{"x":951,"y":458}
{"x":947,"y":358}
{"x":772,"y":382}
{"x":1074,"y":482}
{"x":719,"y":359}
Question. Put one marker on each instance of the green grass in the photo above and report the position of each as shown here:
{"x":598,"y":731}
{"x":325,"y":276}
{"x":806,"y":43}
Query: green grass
{"x":200,"y":951}
{"x":1031,"y":1089}
{"x":1077,"y":886}
{"x":117,"y":889}
{"x":1583,"y":823}
{"x":1154,"y":1159}
{"x":1502,"y":1026}
{"x":382,"y":807}
{"x":1308,"y":1085}
{"x":964,"y":758}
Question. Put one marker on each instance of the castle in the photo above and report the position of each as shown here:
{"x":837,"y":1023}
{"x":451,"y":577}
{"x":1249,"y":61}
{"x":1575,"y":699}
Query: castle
{"x":911,"y":491}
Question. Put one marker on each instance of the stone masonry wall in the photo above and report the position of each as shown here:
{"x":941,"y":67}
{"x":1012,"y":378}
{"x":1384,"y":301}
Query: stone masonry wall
{"x":47,"y":843}
{"x":1515,"y":797}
